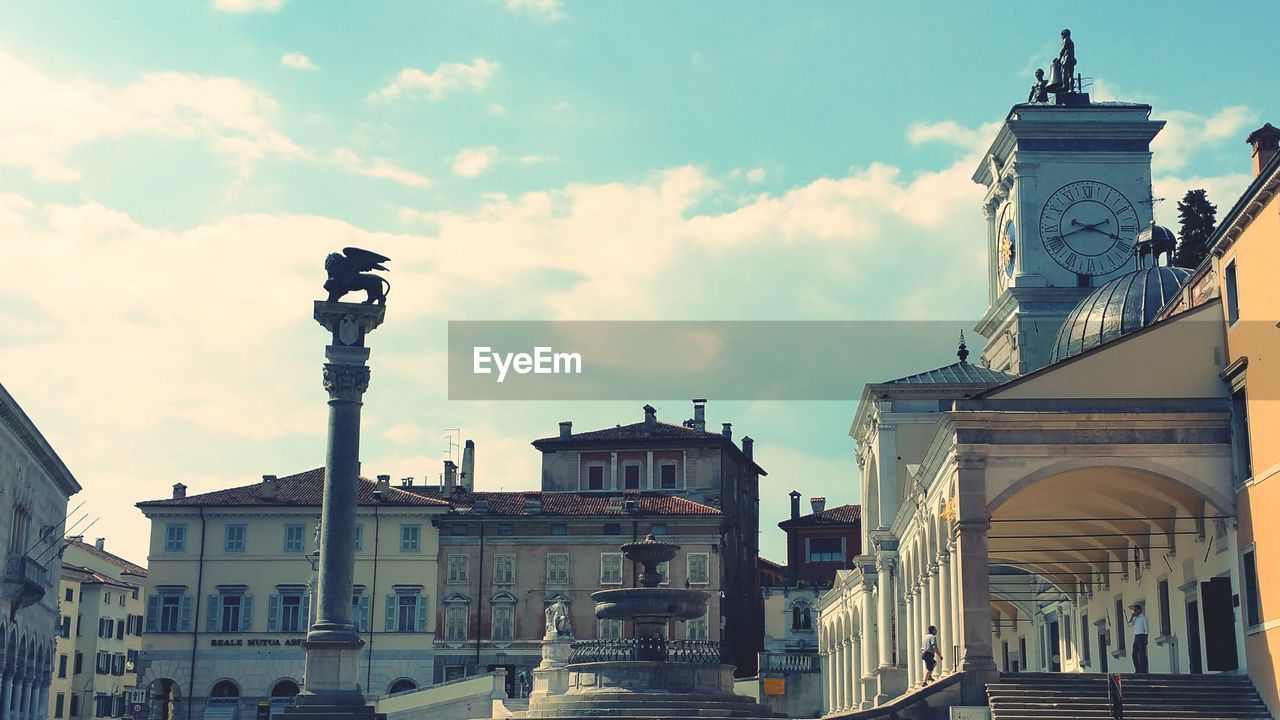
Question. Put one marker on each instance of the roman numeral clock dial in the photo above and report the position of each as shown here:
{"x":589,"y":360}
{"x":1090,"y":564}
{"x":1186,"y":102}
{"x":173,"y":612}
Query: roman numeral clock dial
{"x":1088,"y":227}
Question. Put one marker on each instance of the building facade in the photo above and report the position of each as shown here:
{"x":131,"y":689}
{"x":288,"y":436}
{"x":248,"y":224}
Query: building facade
{"x":102,"y":599}
{"x":506,"y":556}
{"x":229,"y":587}
{"x":821,"y":542}
{"x":34,"y":487}
{"x":686,"y":461}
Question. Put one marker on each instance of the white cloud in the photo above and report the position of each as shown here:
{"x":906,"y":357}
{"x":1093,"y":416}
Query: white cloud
{"x":297,"y":61}
{"x":474,"y":161}
{"x":248,"y":6}
{"x":49,"y":119}
{"x":1187,"y":133}
{"x":755,"y":175}
{"x":350,"y":160}
{"x":951,"y":133}
{"x":404,"y":434}
{"x":535,"y":159}
{"x":546,"y":10}
{"x":446,"y":77}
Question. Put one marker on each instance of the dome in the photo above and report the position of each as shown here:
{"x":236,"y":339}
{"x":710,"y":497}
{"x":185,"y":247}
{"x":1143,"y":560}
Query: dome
{"x":1128,"y":303}
{"x":1153,"y":241}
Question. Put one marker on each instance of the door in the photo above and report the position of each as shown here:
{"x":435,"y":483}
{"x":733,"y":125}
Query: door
{"x":1219,"y":625}
{"x":1193,"y":636}
{"x":1104,"y":653}
{"x":1055,"y":648}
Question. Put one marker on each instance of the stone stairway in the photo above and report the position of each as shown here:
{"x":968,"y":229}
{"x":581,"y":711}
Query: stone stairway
{"x":1077,"y":696}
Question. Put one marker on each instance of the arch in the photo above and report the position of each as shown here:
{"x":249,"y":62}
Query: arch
{"x":399,"y":685}
{"x":224,"y":688}
{"x":285,"y":687}
{"x":165,"y":695}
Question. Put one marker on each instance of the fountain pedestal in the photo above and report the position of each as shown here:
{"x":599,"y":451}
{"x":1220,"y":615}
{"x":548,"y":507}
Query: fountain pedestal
{"x":551,"y":677}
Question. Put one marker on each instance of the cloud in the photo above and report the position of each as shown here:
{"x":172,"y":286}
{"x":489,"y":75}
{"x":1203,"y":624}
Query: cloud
{"x":297,"y":61}
{"x":950,"y":133}
{"x":248,"y":6}
{"x":350,"y":160}
{"x":755,"y":175}
{"x":474,"y":161}
{"x":535,"y":159}
{"x":1187,"y":133}
{"x":445,"y":78}
{"x":545,"y":10}
{"x":52,"y":118}
{"x":404,"y":434}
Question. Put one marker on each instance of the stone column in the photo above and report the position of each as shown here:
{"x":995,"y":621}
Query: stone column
{"x":6,"y":694}
{"x":850,"y":674}
{"x":42,"y":703}
{"x":935,"y":604}
{"x":978,"y":659}
{"x":23,"y":691}
{"x":828,"y":680}
{"x":330,"y":677}
{"x":944,"y":613}
{"x":855,"y":677}
{"x":956,"y":603}
{"x":884,"y":604}
{"x":913,"y":612}
{"x":844,"y":674}
{"x":869,"y":639}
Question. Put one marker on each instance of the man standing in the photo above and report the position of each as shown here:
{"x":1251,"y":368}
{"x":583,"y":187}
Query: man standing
{"x":1067,"y":59}
{"x":1138,"y":623}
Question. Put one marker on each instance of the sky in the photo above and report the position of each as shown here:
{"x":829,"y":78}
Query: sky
{"x":173,"y":174}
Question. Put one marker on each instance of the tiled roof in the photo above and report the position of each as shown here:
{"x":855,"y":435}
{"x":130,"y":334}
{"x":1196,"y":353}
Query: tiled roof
{"x":93,"y":577}
{"x":512,"y":504}
{"x":771,"y":565}
{"x":839,"y":515}
{"x":961,"y":373}
{"x":116,"y":560}
{"x":303,"y":489}
{"x":636,"y":431}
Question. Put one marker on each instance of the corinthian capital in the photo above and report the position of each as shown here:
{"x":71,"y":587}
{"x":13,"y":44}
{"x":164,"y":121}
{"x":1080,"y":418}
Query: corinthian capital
{"x":345,"y":382}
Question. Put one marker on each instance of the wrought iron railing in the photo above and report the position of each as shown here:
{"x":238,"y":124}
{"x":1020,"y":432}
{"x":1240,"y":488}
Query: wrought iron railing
{"x":789,"y":662}
{"x":24,"y":570}
{"x":700,"y":652}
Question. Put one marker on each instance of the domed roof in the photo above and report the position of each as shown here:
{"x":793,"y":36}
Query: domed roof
{"x":1128,"y":303}
{"x":1158,"y":235}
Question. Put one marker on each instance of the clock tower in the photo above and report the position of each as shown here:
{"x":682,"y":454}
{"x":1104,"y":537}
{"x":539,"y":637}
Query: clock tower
{"x":1068,"y":189}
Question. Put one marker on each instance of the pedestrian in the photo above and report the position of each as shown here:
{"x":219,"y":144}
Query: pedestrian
{"x":1138,"y":623}
{"x":930,"y":653}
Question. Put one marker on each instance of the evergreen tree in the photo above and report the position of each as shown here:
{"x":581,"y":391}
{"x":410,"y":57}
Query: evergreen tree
{"x":1198,"y":217}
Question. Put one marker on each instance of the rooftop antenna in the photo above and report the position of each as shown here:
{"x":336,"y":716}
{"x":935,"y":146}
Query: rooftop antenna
{"x":451,"y":437}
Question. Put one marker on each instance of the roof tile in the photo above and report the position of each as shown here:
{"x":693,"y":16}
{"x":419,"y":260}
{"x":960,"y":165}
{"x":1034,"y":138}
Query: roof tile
{"x":512,"y":504}
{"x":303,"y":489}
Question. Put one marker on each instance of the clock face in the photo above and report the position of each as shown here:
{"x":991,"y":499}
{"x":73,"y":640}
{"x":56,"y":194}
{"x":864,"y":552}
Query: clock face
{"x":1008,"y":247}
{"x":1088,"y":227}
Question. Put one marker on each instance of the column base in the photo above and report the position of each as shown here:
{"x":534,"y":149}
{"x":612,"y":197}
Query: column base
{"x":330,"y":676}
{"x":891,"y":682}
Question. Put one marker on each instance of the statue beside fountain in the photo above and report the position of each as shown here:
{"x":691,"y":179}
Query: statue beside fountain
{"x":647,"y":675}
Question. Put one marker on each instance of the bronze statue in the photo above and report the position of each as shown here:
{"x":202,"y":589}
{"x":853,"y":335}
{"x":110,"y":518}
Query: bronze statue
{"x":1039,"y":89}
{"x":347,"y":274}
{"x":1067,"y":58}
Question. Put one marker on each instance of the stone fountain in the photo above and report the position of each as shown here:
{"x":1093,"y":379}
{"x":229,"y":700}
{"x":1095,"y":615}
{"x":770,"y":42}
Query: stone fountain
{"x":647,"y":675}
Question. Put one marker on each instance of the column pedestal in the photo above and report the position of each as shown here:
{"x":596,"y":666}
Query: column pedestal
{"x":551,"y":677}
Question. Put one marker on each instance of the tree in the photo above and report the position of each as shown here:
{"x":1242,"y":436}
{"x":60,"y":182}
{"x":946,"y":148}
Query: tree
{"x":1198,"y":217}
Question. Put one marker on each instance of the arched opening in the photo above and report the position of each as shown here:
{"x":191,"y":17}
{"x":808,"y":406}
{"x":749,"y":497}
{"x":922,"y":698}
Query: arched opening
{"x":282,"y":695}
{"x":224,"y":689}
{"x":224,"y":701}
{"x":164,"y":697}
{"x":402,"y":685}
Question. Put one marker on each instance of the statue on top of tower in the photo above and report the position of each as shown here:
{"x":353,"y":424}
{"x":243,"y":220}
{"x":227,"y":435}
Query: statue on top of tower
{"x":1039,"y":89}
{"x":1067,"y":59}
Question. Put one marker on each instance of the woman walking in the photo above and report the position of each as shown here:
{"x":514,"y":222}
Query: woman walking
{"x":930,"y":653}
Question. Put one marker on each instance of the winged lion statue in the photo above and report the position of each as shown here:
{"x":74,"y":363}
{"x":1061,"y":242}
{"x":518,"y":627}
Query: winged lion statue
{"x":348,"y":273}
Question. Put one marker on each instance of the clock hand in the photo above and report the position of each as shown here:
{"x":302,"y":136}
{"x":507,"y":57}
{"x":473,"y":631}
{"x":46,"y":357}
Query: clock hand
{"x":1084,"y":226}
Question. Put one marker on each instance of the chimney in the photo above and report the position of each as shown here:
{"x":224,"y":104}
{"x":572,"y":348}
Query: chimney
{"x":818,"y":504}
{"x":450,"y":474}
{"x":384,"y":483}
{"x":700,"y":414}
{"x":179,"y":491}
{"x":1265,"y":140}
{"x":727,"y":431}
{"x":532,"y":503}
{"x":481,"y":506}
{"x":566,"y":428}
{"x":101,"y":544}
{"x":268,"y":488}
{"x":468,"y":477}
{"x":795,"y":504}
{"x":406,"y":481}
{"x":748,"y":448}
{"x":650,"y":419}
{"x":76,"y":538}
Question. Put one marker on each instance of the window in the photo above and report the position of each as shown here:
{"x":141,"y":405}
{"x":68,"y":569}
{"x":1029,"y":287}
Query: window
{"x":74,"y":706}
{"x":230,"y":612}
{"x":62,"y":666}
{"x":70,"y":594}
{"x":558,"y":568}
{"x":610,"y":629}
{"x":455,"y":623}
{"x":1240,"y":431}
{"x":1162,"y":593}
{"x":359,"y":543}
{"x":57,"y":705}
{"x":175,"y":538}
{"x":1233,"y":294}
{"x":504,"y":569}
{"x":458,"y":529}
{"x":65,"y":629}
{"x":667,"y":476}
{"x":611,"y":568}
{"x":406,"y":612}
{"x":106,"y":628}
{"x":506,"y":529}
{"x":121,"y":599}
{"x":696,"y":629}
{"x":698,"y":569}
{"x":293,"y":538}
{"x":102,"y":705}
{"x":1252,"y":599}
{"x":826,"y":550}
{"x":130,"y":661}
{"x":503,"y":623}
{"x":233,"y":541}
{"x":288,"y":612}
{"x":664,"y":569}
{"x":595,"y":477}
{"x":1084,"y":638}
{"x":411,"y":538}
{"x":459,"y":567}
{"x":658,"y":529}
{"x":117,"y":664}
{"x":631,"y":477}
{"x":360,"y":609}
{"x":612,"y":529}
{"x":106,"y":597}
{"x":79,"y":663}
{"x":801,"y":617}
{"x":119,"y":629}
{"x":1118,"y":628}
{"x":559,"y":529}
{"x":103,"y":666}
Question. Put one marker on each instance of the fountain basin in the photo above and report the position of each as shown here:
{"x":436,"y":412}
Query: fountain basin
{"x":650,"y":603}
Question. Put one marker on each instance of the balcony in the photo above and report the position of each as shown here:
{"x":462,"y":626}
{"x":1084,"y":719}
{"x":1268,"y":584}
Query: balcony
{"x":789,"y":663}
{"x":25,"y":582}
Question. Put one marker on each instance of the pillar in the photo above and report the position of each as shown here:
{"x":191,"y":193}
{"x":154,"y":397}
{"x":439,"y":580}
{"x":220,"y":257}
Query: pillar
{"x":829,"y":680}
{"x":850,"y":674}
{"x":42,"y":701}
{"x":912,"y":614}
{"x":23,"y":690}
{"x":839,"y":684}
{"x":956,"y":603}
{"x":935,"y":602}
{"x":332,"y":645}
{"x":947,"y":601}
{"x":855,"y":677}
{"x":869,"y":639}
{"x":977,"y":660}
{"x":6,"y":695}
{"x":884,"y":606}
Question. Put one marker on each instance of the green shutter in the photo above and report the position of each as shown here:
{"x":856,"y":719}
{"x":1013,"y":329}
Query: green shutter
{"x":184,"y":614}
{"x":273,"y":613}
{"x":246,"y":613}
{"x":153,"y":613}
{"x":421,"y":621}
{"x":390,"y":624}
{"x":304,"y":613}
{"x":212,"y":621}
{"x":364,"y":613}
